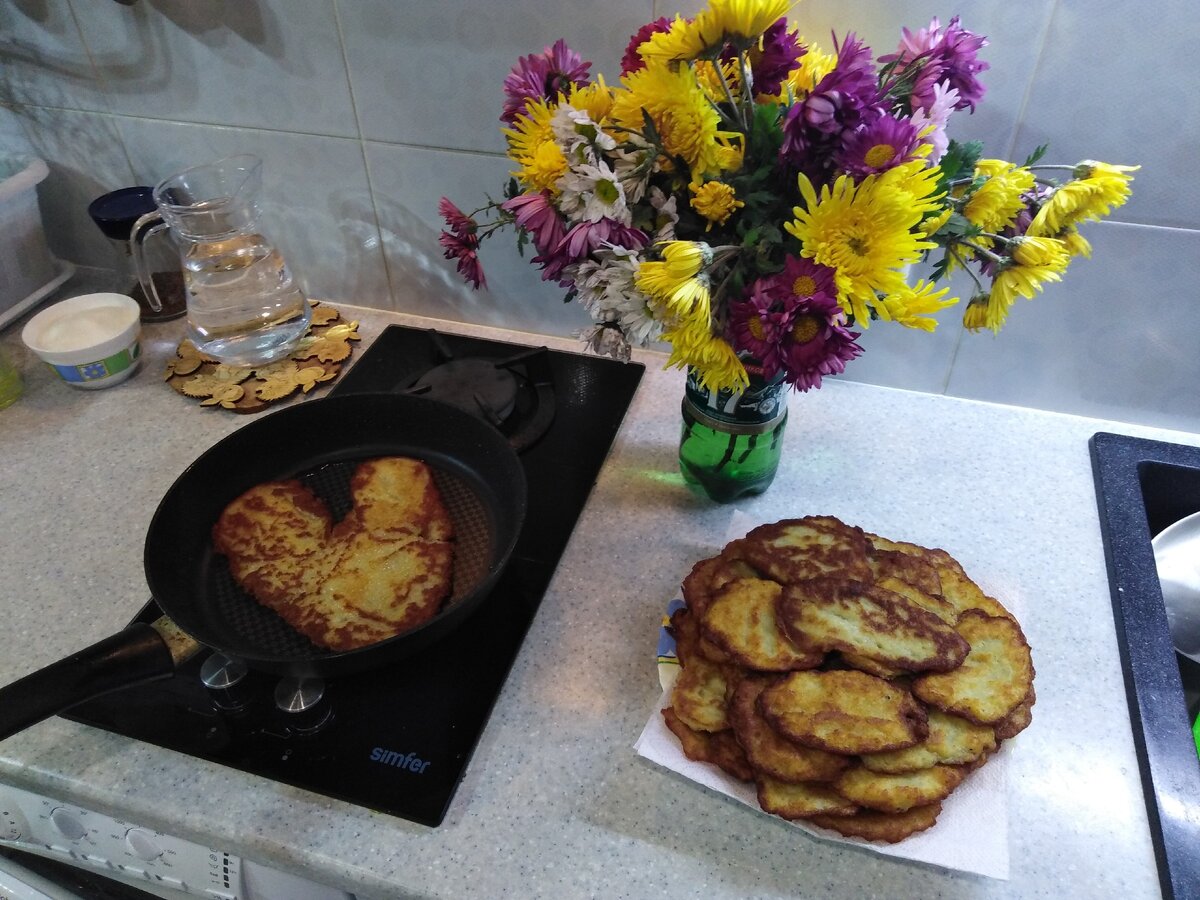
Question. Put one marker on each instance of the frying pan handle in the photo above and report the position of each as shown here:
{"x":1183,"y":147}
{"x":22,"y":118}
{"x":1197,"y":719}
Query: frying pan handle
{"x":127,"y":658}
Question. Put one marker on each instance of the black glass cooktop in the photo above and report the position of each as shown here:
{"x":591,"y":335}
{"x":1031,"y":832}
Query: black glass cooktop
{"x":398,"y":739}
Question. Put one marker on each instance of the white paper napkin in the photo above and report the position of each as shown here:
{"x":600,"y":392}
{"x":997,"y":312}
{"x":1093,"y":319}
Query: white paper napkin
{"x":971,"y":834}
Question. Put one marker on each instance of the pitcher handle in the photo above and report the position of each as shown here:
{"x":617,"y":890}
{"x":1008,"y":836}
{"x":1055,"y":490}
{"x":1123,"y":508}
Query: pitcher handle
{"x":153,"y":221}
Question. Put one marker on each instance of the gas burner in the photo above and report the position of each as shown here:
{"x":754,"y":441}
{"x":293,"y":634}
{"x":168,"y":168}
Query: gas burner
{"x":515,"y":393}
{"x":476,"y":386}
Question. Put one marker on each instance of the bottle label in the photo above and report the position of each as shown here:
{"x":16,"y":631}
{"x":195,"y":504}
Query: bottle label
{"x":753,"y":411}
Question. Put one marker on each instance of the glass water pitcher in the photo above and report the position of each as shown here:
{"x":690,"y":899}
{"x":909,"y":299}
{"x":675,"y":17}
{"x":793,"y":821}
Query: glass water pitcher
{"x":244,"y":307}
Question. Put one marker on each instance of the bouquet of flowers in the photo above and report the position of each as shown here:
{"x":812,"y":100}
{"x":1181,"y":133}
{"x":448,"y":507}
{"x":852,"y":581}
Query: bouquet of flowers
{"x":751,"y":198}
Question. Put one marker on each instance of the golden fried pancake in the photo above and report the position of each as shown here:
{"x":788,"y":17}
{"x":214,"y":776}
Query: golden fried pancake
{"x":898,"y":793}
{"x":858,"y":618}
{"x":770,"y":753}
{"x":699,"y":695}
{"x":796,"y":549}
{"x":933,"y":556}
{"x":375,"y":574}
{"x":916,"y":571}
{"x":1018,"y":720}
{"x":268,"y":529}
{"x":933,"y":603}
{"x":952,"y":741}
{"x":741,"y":621}
{"x":719,"y":748}
{"x":402,"y":581}
{"x":843,"y":712}
{"x":964,"y":594}
{"x":397,"y":494}
{"x":877,"y":826}
{"x":798,"y":800}
{"x":993,"y":680}
{"x":870,"y":666}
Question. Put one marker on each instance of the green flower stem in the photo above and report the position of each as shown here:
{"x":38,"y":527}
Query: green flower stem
{"x":962,"y":262}
{"x":729,"y":95}
{"x":988,"y":254}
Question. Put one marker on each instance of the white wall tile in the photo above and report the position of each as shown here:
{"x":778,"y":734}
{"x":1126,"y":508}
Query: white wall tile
{"x":433,"y":73}
{"x":1120,"y":86}
{"x":1117,"y":338}
{"x":317,"y":206}
{"x":42,"y":57}
{"x":267,"y":64}
{"x":408,"y":182}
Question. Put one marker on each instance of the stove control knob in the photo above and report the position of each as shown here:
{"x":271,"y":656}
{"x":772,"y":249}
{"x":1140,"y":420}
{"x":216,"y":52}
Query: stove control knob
{"x":67,"y":824}
{"x":142,"y":844}
{"x":304,"y":703}
{"x":225,"y":678}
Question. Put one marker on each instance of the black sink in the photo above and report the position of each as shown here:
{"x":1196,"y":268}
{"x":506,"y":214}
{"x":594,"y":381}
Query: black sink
{"x":1142,"y":487}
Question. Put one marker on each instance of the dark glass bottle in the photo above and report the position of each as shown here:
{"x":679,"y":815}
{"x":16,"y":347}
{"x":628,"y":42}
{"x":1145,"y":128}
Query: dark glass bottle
{"x":730,"y":444}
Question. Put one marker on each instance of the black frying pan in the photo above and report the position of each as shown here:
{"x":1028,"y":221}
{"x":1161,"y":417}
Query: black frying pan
{"x":320,"y":441}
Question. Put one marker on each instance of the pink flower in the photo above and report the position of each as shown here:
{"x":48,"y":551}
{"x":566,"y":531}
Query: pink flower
{"x":949,"y":56}
{"x":461,"y":242}
{"x":536,"y":214}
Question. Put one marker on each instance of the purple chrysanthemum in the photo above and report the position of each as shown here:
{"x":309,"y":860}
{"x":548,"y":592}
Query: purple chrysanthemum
{"x":542,"y":76}
{"x":842,"y":100}
{"x":949,"y":56}
{"x":632,"y":60}
{"x":801,"y":324}
{"x":769,"y":66}
{"x":536,"y":214}
{"x":877,"y":146}
{"x":756,"y":326}
{"x":461,"y":242}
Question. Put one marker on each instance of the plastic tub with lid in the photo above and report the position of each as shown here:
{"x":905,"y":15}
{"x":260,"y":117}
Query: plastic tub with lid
{"x":28,"y":272}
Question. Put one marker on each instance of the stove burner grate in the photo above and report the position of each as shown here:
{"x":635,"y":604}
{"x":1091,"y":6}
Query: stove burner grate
{"x":515,"y":393}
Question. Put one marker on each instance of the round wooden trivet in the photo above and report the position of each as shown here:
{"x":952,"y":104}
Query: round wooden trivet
{"x":316,"y":360}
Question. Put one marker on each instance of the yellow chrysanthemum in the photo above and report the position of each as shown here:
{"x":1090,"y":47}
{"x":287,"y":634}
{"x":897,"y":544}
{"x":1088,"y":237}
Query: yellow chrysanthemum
{"x":714,"y":360}
{"x":995,"y":204}
{"x":913,"y":306}
{"x":531,"y":146}
{"x":686,"y":120}
{"x":738,"y":21}
{"x":933,"y":224}
{"x":1097,"y":189}
{"x":1076,"y":243}
{"x":813,"y":66}
{"x":1040,"y":253}
{"x":595,"y":99}
{"x":710,"y":79}
{"x":1015,"y":280}
{"x":677,"y":283}
{"x":716,"y":202}
{"x":866,"y":232}
{"x":682,"y":41}
{"x":975,"y":315}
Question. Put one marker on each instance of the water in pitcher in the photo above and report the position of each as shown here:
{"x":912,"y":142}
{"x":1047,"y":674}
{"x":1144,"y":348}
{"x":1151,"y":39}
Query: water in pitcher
{"x":244,"y":307}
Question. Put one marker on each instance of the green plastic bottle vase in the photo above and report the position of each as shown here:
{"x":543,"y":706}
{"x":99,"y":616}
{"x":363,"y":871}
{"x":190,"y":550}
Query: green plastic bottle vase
{"x":730,"y":444}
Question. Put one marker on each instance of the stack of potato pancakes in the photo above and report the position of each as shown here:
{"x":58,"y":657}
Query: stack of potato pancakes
{"x":855,"y":680}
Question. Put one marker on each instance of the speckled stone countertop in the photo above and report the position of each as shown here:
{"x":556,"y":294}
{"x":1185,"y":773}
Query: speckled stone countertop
{"x":555,"y":802}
